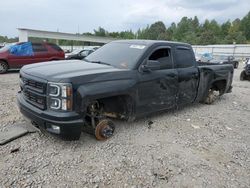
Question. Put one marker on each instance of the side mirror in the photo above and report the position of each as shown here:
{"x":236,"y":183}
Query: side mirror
{"x":151,"y":65}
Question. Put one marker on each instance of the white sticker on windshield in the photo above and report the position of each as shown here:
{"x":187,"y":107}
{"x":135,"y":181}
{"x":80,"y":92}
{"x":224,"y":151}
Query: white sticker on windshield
{"x":137,"y":46}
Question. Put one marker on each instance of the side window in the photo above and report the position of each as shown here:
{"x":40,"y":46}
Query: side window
{"x":84,"y":53}
{"x":184,"y":57}
{"x":91,"y":51}
{"x":39,"y":47}
{"x":162,"y":55}
{"x":55,"y":47}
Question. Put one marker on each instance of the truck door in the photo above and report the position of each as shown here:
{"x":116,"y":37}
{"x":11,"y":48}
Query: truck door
{"x":158,"y":88}
{"x":188,"y":75}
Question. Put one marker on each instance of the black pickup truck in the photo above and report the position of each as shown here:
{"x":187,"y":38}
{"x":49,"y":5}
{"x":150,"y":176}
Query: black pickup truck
{"x":123,"y":79}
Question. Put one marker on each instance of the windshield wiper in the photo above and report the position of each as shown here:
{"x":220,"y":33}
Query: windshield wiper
{"x":98,"y":62}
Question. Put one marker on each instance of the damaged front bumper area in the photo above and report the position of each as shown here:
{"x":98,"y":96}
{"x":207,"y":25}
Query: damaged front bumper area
{"x":67,"y":125}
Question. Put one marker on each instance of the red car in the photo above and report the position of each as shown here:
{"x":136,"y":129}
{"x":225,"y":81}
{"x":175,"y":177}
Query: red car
{"x":20,"y":54}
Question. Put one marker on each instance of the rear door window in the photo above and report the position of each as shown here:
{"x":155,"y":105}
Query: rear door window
{"x":55,"y":47}
{"x":184,"y":57}
{"x":39,"y":47}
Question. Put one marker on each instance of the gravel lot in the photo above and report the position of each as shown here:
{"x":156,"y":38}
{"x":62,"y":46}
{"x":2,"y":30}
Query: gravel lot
{"x":196,"y":146}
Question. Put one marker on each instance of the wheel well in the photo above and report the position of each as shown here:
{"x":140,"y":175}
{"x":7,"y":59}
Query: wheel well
{"x":5,"y":62}
{"x":243,"y":72}
{"x":220,"y":86}
{"x":120,"y":107}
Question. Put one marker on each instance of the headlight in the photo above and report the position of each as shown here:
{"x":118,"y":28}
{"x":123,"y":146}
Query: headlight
{"x":54,"y":90}
{"x":55,"y":103}
{"x":60,"y":96}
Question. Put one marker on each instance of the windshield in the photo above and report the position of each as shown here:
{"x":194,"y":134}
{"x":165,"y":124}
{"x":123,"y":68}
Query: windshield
{"x":76,"y":51}
{"x":85,"y":52}
{"x":118,"y":54}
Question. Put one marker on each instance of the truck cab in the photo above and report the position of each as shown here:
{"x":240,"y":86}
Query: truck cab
{"x":124,"y":79}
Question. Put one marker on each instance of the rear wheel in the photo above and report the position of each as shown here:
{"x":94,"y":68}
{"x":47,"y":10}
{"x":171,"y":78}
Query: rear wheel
{"x":242,"y":76}
{"x":3,"y":67}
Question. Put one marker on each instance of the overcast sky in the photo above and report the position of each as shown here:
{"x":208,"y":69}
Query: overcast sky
{"x":113,"y":15}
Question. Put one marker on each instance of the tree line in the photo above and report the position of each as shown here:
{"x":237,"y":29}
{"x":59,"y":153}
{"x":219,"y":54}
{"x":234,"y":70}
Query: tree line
{"x":189,"y":30}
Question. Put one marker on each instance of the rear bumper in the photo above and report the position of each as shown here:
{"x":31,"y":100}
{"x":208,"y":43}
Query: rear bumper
{"x":69,"y":124}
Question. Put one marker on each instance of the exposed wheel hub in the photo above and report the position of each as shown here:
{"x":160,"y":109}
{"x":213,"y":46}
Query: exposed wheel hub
{"x":104,"y":129}
{"x":108,"y":131}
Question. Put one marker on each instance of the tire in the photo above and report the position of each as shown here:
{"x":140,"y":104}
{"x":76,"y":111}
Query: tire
{"x":3,"y":67}
{"x":211,"y":97}
{"x":104,"y":129}
{"x":242,"y":76}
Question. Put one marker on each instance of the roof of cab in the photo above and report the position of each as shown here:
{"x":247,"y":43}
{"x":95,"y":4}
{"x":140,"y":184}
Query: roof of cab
{"x":150,"y":42}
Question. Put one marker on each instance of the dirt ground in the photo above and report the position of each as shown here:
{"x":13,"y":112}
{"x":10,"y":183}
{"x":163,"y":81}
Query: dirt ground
{"x":196,"y":146}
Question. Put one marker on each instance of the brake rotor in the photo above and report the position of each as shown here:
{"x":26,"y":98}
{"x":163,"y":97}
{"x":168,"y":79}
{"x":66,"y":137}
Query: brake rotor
{"x":104,"y":129}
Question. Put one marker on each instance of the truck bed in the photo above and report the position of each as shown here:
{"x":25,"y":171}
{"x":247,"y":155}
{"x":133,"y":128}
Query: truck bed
{"x":212,"y":72}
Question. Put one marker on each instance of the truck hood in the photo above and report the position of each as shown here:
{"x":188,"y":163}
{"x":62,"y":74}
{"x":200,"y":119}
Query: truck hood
{"x":59,"y":71}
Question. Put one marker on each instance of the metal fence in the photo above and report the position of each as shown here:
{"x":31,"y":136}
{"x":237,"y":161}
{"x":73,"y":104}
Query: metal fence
{"x":237,"y":50}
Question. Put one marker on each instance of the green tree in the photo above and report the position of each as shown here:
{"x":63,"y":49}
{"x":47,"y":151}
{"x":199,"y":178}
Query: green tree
{"x":171,"y":32}
{"x":245,"y":26}
{"x":225,"y":28}
{"x":187,"y":30}
{"x":210,"y":33}
{"x":143,"y":33}
{"x":100,"y":32}
{"x":235,"y":35}
{"x":114,"y":34}
{"x":157,"y":31}
{"x":127,"y":35}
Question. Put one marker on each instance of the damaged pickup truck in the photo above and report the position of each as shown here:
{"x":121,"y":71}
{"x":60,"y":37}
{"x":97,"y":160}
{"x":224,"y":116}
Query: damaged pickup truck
{"x":123,"y":79}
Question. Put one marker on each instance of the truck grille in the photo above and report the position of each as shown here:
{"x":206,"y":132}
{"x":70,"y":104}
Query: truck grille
{"x":34,"y":92}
